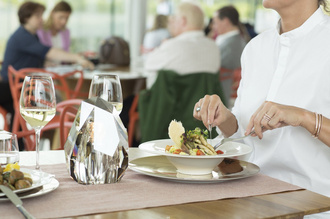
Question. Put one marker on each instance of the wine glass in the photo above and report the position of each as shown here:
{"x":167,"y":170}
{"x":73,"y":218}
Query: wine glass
{"x":38,"y":104}
{"x":9,"y":151}
{"x":107,"y":87}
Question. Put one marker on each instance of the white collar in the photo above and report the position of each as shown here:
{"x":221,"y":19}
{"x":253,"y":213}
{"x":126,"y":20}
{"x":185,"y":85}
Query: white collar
{"x":222,"y":37}
{"x":317,"y":17}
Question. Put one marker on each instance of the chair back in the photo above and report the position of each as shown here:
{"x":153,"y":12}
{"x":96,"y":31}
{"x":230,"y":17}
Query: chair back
{"x":236,"y":80}
{"x":60,"y":80}
{"x":230,"y":78}
{"x":16,"y":79}
{"x":68,"y":111}
{"x":173,"y":96}
{"x":133,"y":115}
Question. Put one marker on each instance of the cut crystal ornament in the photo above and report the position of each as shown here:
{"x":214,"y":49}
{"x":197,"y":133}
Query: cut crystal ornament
{"x":97,"y":146}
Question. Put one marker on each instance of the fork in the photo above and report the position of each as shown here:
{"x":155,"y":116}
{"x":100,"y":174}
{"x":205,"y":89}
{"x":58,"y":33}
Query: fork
{"x":224,"y":140}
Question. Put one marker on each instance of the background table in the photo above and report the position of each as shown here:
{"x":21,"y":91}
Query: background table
{"x":132,"y":79}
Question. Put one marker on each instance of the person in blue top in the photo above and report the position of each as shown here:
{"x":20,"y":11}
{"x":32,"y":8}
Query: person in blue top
{"x":24,"y":49}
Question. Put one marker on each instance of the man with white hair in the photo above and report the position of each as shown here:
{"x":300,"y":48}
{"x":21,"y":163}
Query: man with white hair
{"x":189,"y":51}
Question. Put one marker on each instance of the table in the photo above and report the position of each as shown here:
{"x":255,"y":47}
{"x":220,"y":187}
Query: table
{"x":292,"y":204}
{"x":132,"y":81}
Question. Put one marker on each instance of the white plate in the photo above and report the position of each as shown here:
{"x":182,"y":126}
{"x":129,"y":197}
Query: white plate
{"x":47,"y":188}
{"x":160,"y":167}
{"x":196,"y":165}
{"x":38,"y":180}
{"x":230,"y":149}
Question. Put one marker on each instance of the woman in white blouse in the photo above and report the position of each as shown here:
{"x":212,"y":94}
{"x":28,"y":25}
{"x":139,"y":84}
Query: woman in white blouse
{"x":284,"y":96}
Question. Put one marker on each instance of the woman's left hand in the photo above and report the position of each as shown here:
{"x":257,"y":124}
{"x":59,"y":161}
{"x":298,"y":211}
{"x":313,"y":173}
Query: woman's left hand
{"x":272,"y":115}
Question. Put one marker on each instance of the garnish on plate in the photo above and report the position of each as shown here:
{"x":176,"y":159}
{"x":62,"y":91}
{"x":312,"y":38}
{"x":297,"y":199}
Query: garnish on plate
{"x":191,"y":142}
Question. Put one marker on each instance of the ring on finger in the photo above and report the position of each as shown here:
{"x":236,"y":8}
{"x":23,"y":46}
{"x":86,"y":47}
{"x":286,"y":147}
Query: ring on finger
{"x":198,"y":109}
{"x":267,"y":117}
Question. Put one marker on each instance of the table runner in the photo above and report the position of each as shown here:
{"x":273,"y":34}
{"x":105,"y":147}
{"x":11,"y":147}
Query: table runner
{"x":135,"y":191}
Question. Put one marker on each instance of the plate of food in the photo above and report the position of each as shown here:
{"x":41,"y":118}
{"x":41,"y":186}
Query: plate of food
{"x":21,"y":179}
{"x":190,"y":152}
{"x":38,"y":191}
{"x":160,"y":167}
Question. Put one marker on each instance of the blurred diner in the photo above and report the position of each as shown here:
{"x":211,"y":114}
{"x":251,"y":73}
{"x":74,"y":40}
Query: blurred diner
{"x":156,"y":35}
{"x":283,"y":99}
{"x":24,"y":48}
{"x":231,"y":42}
{"x":54,"y":32}
{"x":189,"y":51}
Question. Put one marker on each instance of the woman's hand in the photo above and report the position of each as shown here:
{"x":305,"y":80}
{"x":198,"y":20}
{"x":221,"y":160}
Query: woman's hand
{"x":272,"y":115}
{"x":211,"y":111}
{"x":85,"y":63}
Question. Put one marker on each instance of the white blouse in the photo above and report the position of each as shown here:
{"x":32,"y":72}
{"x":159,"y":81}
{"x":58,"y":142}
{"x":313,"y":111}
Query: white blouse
{"x":292,"y":69}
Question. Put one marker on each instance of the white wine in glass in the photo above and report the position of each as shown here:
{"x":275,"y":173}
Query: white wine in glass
{"x":107,"y":87}
{"x":38,"y":104}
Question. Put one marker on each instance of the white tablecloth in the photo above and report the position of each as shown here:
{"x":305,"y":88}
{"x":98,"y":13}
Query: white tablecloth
{"x":28,"y":158}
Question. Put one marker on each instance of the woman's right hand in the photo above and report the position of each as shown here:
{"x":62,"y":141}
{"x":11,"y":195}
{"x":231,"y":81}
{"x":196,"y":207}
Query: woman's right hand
{"x":210,"y":110}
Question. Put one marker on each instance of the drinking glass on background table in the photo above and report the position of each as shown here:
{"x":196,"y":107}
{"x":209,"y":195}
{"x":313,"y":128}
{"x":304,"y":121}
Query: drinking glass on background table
{"x":38,"y":104}
{"x":9,"y":152}
{"x":107,"y":87}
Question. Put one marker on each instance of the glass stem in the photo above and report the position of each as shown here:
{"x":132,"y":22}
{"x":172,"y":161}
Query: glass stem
{"x":37,"y":148}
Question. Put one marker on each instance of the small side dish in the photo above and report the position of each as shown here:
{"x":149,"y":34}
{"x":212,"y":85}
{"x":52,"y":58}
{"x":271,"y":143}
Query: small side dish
{"x":12,"y":177}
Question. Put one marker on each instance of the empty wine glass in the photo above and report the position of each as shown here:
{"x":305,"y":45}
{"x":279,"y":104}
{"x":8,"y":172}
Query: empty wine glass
{"x":38,"y":104}
{"x":9,"y":152}
{"x":107,"y":87}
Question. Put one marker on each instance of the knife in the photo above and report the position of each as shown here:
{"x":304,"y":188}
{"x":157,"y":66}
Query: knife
{"x":16,"y":201}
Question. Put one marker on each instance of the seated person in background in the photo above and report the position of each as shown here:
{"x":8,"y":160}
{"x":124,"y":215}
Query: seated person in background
{"x":24,"y":49}
{"x":155,"y":36}
{"x":230,"y":40}
{"x":189,"y":51}
{"x":54,"y":32}
{"x":209,"y":31}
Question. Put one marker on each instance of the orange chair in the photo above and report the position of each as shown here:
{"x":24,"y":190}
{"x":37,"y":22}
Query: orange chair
{"x":16,"y":82}
{"x":236,"y":81}
{"x":233,"y":76}
{"x":67,"y":116}
{"x":225,"y":74}
{"x":60,"y":80}
{"x":133,"y":118}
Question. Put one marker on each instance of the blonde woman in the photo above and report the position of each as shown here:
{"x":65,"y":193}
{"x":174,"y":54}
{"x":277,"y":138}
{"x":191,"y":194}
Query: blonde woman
{"x":54,"y":32}
{"x":284,"y":97}
{"x":156,"y":34}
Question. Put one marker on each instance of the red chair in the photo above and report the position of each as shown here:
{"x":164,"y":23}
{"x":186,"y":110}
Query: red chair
{"x":236,"y":80}
{"x":67,"y":116}
{"x":16,"y":79}
{"x":225,"y":74}
{"x":133,"y":118}
{"x":234,"y":75}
